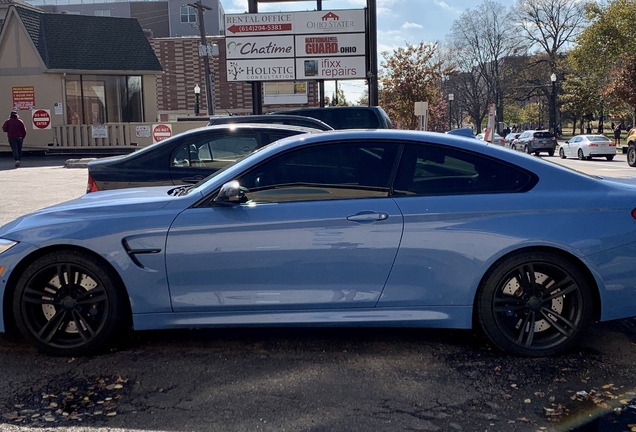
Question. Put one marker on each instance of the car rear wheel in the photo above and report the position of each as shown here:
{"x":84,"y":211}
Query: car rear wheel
{"x":631,"y":155}
{"x":610,"y":157}
{"x":551,"y":152}
{"x":561,"y":153}
{"x":580,"y":154}
{"x":67,"y":304}
{"x":534,"y":304}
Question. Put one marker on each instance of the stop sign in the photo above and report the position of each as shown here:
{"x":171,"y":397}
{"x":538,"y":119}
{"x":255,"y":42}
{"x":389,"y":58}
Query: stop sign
{"x":161,"y":131}
{"x":41,"y":119}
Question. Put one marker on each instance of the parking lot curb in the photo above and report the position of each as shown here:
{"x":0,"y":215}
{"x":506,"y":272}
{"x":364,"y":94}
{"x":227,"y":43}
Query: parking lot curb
{"x":78,"y":163}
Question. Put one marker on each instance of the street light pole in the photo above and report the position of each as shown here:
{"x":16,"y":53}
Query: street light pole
{"x":553,"y":78}
{"x":197,"y":93}
{"x":451,"y":98}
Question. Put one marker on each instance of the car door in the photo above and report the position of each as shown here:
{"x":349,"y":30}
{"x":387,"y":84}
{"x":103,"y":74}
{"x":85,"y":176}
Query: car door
{"x":571,"y":146}
{"x":318,"y":231}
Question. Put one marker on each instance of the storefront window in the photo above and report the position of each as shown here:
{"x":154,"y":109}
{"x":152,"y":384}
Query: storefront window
{"x":99,"y":99}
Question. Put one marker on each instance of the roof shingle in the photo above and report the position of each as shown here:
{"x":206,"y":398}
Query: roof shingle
{"x":80,"y":42}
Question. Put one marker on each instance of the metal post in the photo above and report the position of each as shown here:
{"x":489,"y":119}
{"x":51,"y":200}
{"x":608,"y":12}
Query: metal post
{"x":451,"y":98}
{"x":197,"y":93}
{"x":553,"y":78}
{"x":372,"y":46}
{"x":209,"y":90}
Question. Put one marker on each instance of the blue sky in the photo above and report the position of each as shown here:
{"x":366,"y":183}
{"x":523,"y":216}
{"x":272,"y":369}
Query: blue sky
{"x":400,"y":22}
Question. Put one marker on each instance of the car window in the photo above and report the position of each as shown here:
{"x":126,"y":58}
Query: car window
{"x":336,"y":171}
{"x":433,"y":170}
{"x":204,"y":153}
{"x":524,"y":135}
{"x":599,"y":138}
{"x":543,"y":135}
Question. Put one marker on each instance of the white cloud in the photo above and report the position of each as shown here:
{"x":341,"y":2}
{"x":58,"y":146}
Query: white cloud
{"x":410,"y":25}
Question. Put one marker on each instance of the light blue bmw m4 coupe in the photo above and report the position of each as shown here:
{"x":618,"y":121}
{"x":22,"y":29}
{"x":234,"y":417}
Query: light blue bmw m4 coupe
{"x":354,"y":228}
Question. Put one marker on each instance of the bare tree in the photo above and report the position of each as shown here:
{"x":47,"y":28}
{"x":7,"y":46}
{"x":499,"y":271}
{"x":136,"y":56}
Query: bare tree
{"x":550,"y":27}
{"x":483,"y":39}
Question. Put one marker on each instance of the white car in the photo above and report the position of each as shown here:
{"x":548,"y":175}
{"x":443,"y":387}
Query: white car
{"x":497,"y":139}
{"x":587,"y":147}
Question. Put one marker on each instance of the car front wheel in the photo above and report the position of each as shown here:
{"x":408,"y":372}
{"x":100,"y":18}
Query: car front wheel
{"x":631,"y":155}
{"x":561,"y":153}
{"x":534,"y":304}
{"x":68,"y":304}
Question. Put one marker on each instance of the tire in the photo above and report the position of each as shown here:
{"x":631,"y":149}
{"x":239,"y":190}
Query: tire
{"x":631,"y":155}
{"x":580,"y":155}
{"x":551,"y":152}
{"x":65,"y":319}
{"x":562,"y":153}
{"x":610,"y":157}
{"x":534,"y":304}
{"x":537,"y":153}
{"x":526,"y":149}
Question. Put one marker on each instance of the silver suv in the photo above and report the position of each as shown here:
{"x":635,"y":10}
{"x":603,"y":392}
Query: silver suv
{"x":535,"y":141}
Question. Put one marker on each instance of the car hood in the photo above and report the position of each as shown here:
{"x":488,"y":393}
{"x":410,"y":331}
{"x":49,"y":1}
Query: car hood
{"x":94,"y":208}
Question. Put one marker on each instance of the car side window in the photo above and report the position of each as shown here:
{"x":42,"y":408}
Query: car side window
{"x":208,"y":153}
{"x":434,"y":170}
{"x":328,"y":172}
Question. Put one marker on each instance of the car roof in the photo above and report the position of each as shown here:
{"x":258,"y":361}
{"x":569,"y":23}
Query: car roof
{"x":271,"y":119}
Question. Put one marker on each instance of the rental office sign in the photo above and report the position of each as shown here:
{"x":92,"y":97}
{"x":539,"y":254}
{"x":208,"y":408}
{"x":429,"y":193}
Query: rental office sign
{"x":296,"y":45}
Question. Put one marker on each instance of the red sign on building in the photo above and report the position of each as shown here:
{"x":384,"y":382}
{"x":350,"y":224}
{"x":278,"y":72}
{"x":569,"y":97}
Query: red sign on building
{"x":23,"y":97}
{"x":161,"y":132}
{"x":42,"y":119}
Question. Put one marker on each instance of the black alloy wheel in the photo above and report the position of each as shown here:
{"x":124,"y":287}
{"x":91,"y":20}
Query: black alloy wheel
{"x":535,"y":304}
{"x":68,"y":304}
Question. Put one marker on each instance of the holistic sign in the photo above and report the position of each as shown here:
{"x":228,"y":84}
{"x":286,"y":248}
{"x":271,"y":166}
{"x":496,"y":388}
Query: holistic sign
{"x":261,"y":70}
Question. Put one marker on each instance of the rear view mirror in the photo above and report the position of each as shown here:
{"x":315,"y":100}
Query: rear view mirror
{"x":231,"y":193}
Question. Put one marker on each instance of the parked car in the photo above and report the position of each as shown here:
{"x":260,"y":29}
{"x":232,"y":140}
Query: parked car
{"x":345,"y":228}
{"x":511,"y":138}
{"x":497,"y":139}
{"x":467,"y":132}
{"x":346,"y":117}
{"x":185,"y":158}
{"x":631,"y":147}
{"x":535,"y":141}
{"x":294,"y":120}
{"x":587,"y":147}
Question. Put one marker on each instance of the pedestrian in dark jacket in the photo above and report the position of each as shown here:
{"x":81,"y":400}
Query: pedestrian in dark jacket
{"x":617,"y":134}
{"x":16,"y":131}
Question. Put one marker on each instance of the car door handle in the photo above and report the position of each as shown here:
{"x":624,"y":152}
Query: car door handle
{"x":195,"y":179}
{"x":368,"y":216}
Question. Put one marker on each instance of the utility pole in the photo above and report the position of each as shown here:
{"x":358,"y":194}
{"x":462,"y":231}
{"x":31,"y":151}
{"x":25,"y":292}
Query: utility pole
{"x":205,"y":51}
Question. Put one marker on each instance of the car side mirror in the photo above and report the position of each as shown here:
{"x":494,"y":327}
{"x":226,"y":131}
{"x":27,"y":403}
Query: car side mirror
{"x":567,"y":142}
{"x":231,"y":193}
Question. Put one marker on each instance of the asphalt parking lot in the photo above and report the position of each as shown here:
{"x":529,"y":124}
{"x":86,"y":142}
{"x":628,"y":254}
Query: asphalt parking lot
{"x":306,"y":379}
